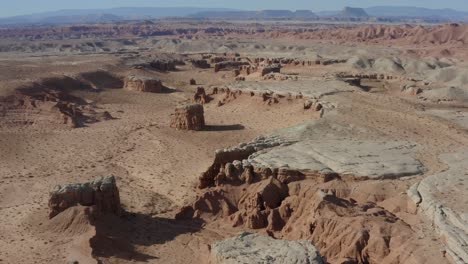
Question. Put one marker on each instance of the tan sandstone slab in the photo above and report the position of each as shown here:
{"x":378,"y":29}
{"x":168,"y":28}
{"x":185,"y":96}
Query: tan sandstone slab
{"x":253,"y":248}
{"x":443,"y":198}
{"x":372,"y":159}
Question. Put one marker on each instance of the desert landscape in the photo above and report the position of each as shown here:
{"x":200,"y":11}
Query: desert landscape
{"x":220,"y":141}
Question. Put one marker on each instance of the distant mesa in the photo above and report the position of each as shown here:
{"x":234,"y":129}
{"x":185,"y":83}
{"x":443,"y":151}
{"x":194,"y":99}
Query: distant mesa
{"x":262,"y":14}
{"x":353,"y":12}
{"x":80,"y":16}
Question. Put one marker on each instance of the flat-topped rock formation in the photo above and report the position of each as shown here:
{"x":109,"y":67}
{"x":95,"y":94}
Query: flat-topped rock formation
{"x":252,"y":249}
{"x":102,"y":194}
{"x":143,"y":84}
{"x":316,"y":89}
{"x":188,"y":117}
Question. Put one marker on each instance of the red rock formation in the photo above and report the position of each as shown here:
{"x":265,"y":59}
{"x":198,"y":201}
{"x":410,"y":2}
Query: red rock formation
{"x":201,"y":97}
{"x":188,"y":117}
{"x":143,"y":84}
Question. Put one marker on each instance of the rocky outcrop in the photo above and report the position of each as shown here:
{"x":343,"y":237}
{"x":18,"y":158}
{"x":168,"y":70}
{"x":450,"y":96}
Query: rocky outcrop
{"x":188,"y":117}
{"x":229,"y":65}
{"x":352,"y":78}
{"x":256,"y":203}
{"x":341,"y":228}
{"x":252,"y":249}
{"x":49,"y":104}
{"x":202,"y":64}
{"x":221,"y":170}
{"x":102,"y":194}
{"x":272,"y":68}
{"x":23,"y":109}
{"x":143,"y":84}
{"x":312,"y":104}
{"x":410,"y":90}
{"x":280,"y":77}
{"x":164,"y":65}
{"x":201,"y":97}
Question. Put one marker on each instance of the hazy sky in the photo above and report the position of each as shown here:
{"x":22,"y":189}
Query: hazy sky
{"x":19,"y":7}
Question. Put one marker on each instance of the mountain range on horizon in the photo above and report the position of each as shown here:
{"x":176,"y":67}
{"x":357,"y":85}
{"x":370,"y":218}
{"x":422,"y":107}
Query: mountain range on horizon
{"x":70,"y":16}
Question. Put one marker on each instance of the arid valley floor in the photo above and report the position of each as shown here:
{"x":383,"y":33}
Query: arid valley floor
{"x":338,"y":143}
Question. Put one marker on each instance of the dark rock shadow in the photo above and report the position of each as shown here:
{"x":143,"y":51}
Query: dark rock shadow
{"x":168,"y":90}
{"x":223,"y":127}
{"x":102,"y":79}
{"x":117,"y":237}
{"x":365,"y":88}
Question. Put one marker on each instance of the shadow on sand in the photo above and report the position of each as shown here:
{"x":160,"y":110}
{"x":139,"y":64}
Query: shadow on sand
{"x":118,"y":237}
{"x":224,"y":127}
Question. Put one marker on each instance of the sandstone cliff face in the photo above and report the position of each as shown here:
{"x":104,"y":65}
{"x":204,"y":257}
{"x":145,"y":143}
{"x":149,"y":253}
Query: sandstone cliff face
{"x":188,"y":117}
{"x":102,"y":194}
{"x":143,"y":84}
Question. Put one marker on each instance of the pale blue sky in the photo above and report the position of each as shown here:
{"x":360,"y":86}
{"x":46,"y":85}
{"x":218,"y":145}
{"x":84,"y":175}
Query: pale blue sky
{"x":19,"y":7}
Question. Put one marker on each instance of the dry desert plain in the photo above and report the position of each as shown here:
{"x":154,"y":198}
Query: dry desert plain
{"x":204,"y":142}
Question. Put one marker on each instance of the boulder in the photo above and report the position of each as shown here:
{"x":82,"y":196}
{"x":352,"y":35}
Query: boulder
{"x":249,"y":248}
{"x":143,"y":84}
{"x":188,"y":117}
{"x":102,"y":193}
